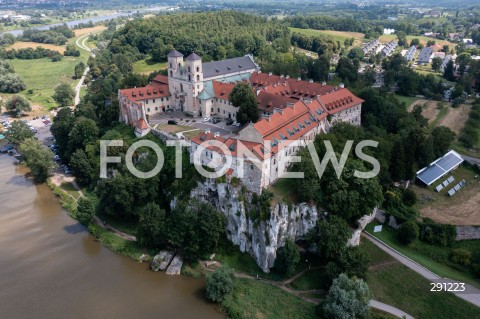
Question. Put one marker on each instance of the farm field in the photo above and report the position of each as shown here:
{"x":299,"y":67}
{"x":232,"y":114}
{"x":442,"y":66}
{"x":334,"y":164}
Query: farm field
{"x":98,"y":28}
{"x":335,"y":35}
{"x":423,"y":40}
{"x":453,"y":118}
{"x":460,"y":209}
{"x":34,"y":45}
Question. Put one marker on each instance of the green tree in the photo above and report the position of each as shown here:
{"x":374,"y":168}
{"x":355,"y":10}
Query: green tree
{"x":408,"y":232}
{"x":461,"y":256}
{"x":415,"y":41}
{"x":436,"y":63}
{"x":356,"y":53}
{"x":83,"y":132}
{"x":347,"y":299}
{"x":81,"y":167}
{"x":219,"y":283}
{"x":61,"y":127}
{"x":151,"y":226}
{"x":287,"y":258}
{"x":195,"y":228}
{"x":64,"y":94}
{"x":442,"y":138}
{"x":333,"y":235}
{"x":242,"y":96}
{"x":79,"y":69}
{"x":409,"y":197}
{"x":448,"y":71}
{"x":18,"y":104}
{"x":430,"y":43}
{"x":38,"y":158}
{"x":85,"y":210}
{"x":19,"y":132}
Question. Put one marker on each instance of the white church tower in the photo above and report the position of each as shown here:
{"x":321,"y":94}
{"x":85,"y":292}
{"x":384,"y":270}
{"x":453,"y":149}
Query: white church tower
{"x":195,"y":77}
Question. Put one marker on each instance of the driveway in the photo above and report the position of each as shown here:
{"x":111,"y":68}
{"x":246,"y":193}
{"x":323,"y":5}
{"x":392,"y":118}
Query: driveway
{"x":196,"y":122}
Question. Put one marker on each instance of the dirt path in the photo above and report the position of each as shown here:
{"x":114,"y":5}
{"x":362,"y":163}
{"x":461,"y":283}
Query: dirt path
{"x":301,"y":293}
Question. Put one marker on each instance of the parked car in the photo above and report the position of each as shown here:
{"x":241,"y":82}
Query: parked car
{"x":172,"y":122}
{"x":207,"y":119}
{"x":216,"y":120}
{"x":237,"y":124}
{"x":230,"y":122}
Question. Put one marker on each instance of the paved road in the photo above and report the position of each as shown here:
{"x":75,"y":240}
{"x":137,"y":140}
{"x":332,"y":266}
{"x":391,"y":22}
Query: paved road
{"x":471,"y":160}
{"x":222,"y":128}
{"x":472,"y":294}
{"x":389,"y":309}
{"x":80,"y":42}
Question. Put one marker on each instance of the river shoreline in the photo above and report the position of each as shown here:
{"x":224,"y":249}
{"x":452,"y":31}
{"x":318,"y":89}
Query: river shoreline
{"x":51,"y":266}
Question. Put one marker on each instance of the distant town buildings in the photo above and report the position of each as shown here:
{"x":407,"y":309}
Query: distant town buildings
{"x":389,"y":48}
{"x":425,"y":55}
{"x":370,"y":46}
{"x":388,"y":31}
{"x":411,"y":53}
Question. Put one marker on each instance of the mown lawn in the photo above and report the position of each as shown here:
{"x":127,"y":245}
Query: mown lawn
{"x":431,"y":257}
{"x":401,"y":287}
{"x":408,"y":100}
{"x":397,"y":285}
{"x":254,"y":299}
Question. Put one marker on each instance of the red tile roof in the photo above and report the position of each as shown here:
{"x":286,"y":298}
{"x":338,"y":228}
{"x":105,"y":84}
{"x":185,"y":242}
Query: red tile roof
{"x":339,"y":100}
{"x":267,"y":102}
{"x":151,"y":91}
{"x":161,"y":79}
{"x":141,"y":124}
{"x":294,"y":88}
{"x":222,"y":90}
{"x":235,"y":146}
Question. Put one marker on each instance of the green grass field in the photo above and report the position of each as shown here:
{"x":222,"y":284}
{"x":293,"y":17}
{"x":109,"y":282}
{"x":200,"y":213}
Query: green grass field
{"x":431,"y":257}
{"x":254,"y":299}
{"x":43,"y":75}
{"x":146,"y":66}
{"x":408,"y":100}
{"x":397,"y":285}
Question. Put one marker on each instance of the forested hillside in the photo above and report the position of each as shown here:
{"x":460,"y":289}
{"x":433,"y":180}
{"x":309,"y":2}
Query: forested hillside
{"x":211,"y":35}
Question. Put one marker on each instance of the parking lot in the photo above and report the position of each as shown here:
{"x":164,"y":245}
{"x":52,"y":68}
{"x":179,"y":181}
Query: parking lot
{"x":195,"y":122}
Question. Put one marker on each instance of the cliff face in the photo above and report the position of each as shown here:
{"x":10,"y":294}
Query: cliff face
{"x":259,"y":238}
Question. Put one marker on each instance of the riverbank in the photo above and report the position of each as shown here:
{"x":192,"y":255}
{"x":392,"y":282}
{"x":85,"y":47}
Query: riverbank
{"x":52,"y":266}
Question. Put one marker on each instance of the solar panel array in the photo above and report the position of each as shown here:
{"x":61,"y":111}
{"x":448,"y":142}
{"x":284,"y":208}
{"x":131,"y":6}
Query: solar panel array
{"x":456,"y":188}
{"x":440,"y":167}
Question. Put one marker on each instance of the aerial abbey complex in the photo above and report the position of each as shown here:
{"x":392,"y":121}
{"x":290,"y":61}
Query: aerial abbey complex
{"x":292,"y":112}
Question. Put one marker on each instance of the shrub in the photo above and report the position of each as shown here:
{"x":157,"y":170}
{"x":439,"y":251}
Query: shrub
{"x":347,"y":298}
{"x":85,"y":211}
{"x":461,"y":256}
{"x":408,"y":232}
{"x":219,"y":283}
{"x":409,"y":197}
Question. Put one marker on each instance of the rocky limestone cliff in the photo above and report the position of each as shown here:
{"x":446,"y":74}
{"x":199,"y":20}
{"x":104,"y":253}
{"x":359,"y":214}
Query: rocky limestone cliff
{"x":261,"y":238}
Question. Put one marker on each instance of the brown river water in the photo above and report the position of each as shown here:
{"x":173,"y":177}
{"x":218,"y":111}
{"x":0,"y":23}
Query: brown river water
{"x":50,"y":267}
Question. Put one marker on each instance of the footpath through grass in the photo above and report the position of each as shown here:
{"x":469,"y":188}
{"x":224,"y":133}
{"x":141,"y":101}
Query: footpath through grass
{"x":395,"y":284}
{"x":434,"y":258}
{"x":254,"y":299}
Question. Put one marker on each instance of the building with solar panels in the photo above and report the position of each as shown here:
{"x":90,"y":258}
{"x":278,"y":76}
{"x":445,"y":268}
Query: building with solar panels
{"x":439,"y":168}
